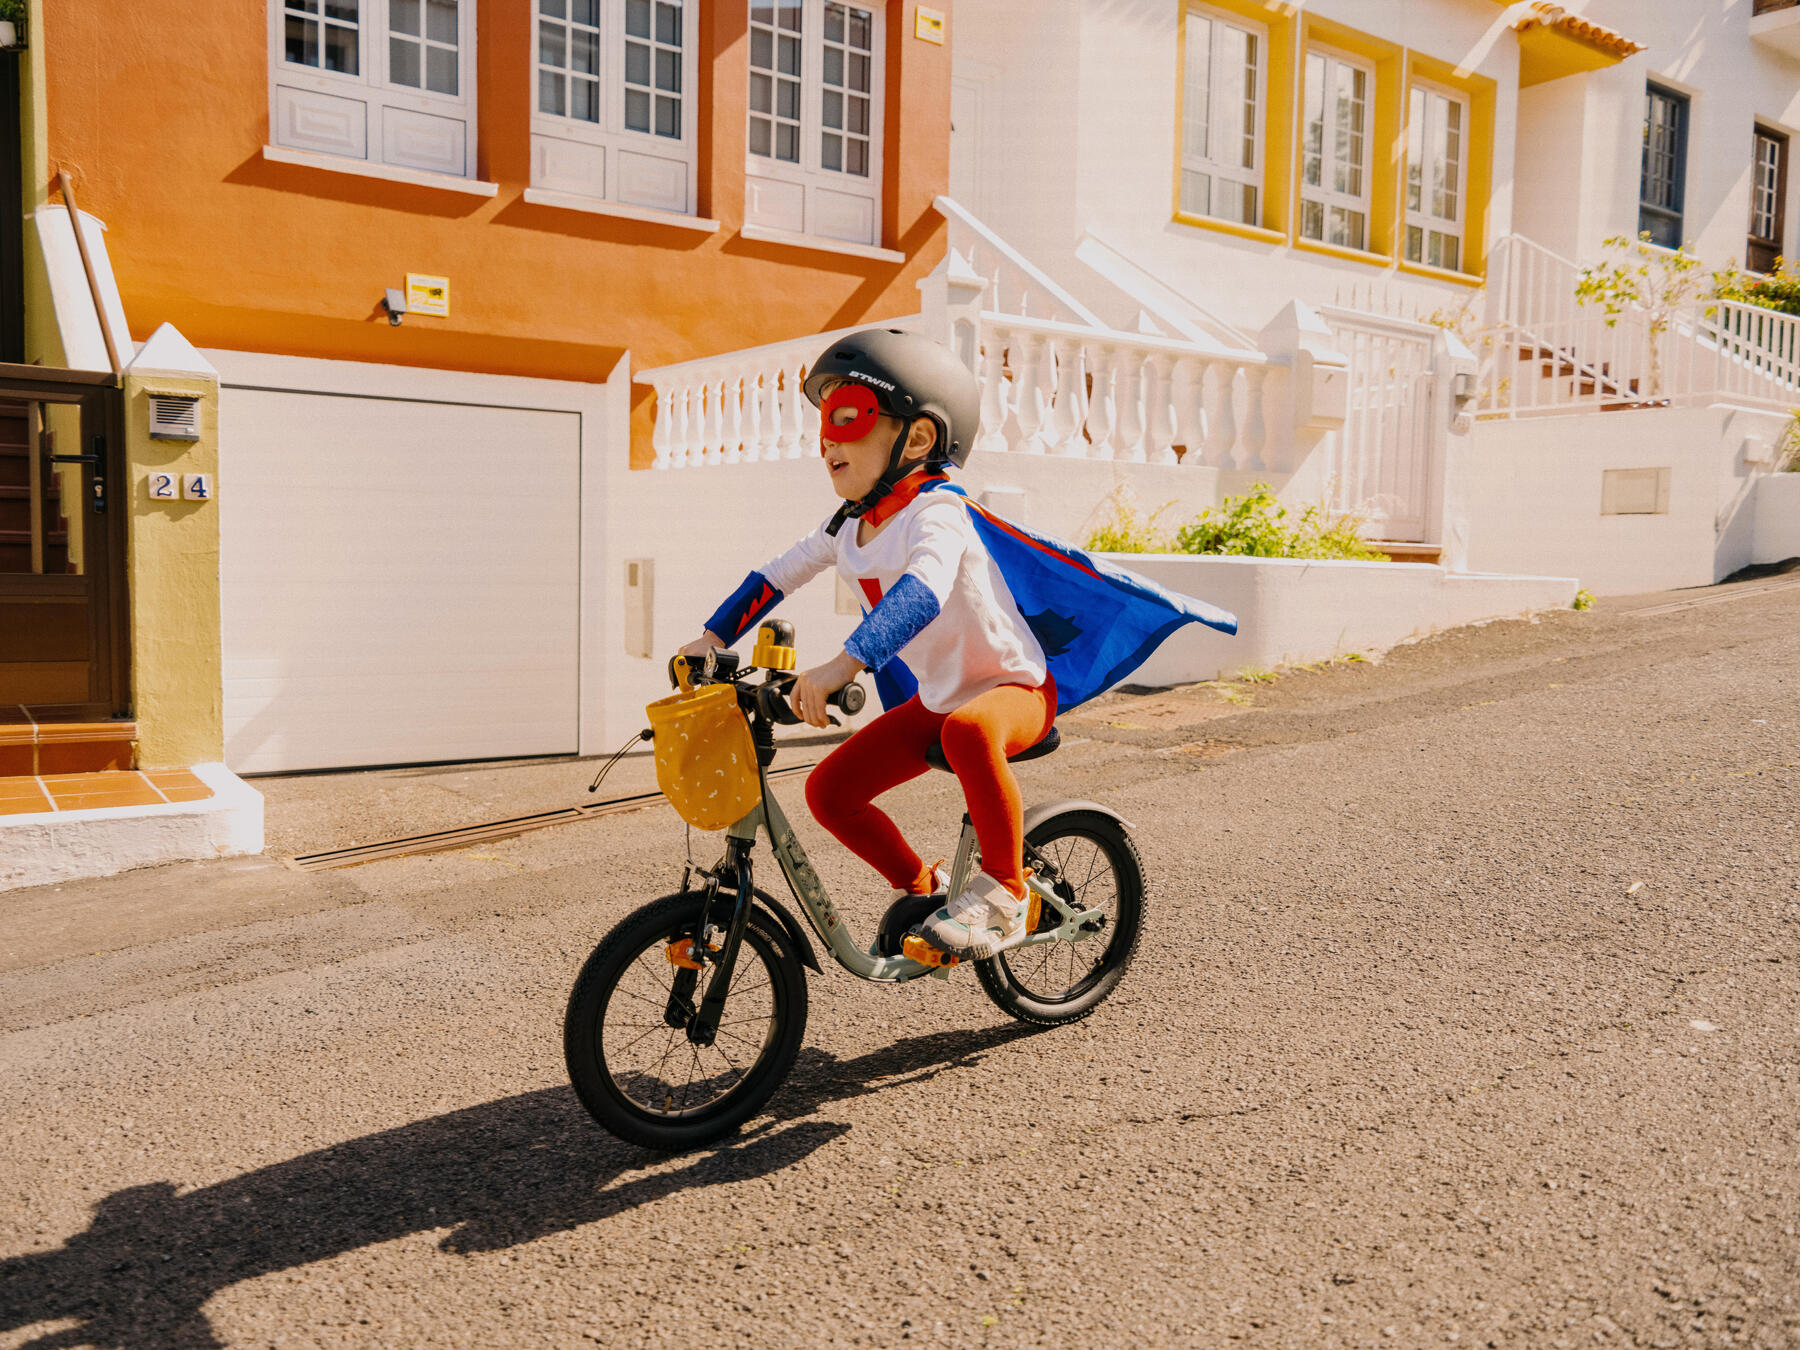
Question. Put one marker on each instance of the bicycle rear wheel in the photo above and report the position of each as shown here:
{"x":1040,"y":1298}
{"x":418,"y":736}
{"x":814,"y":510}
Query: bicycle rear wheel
{"x":1093,"y":865}
{"x":625,"y":1033}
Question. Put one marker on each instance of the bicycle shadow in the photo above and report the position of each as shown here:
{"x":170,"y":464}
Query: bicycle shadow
{"x":498,"y":1175}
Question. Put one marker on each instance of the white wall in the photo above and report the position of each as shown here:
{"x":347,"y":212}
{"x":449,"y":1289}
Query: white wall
{"x":1535,"y":496}
{"x":1777,"y":516}
{"x":1086,"y":136}
{"x":1293,"y":610}
{"x":1698,"y":47}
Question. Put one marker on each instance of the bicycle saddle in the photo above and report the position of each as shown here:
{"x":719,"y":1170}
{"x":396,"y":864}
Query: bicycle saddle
{"x":1052,"y":739}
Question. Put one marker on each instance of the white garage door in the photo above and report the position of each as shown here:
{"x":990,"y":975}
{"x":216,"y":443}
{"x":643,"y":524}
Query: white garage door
{"x":399,"y":580}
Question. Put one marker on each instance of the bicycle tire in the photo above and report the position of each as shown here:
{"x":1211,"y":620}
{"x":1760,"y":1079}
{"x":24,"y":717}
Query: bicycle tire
{"x":585,"y":1043}
{"x":1012,"y":991}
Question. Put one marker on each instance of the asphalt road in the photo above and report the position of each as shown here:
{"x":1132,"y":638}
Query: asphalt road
{"x":1466,"y":1015}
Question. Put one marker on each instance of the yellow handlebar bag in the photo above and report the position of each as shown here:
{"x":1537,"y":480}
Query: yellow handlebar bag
{"x":705,"y":762}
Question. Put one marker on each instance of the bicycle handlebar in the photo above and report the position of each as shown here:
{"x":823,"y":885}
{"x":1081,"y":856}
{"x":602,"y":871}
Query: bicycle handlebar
{"x":770,"y":699}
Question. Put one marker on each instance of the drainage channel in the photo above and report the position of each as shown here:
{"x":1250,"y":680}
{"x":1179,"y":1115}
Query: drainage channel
{"x":1695,"y":603}
{"x":464,"y":835}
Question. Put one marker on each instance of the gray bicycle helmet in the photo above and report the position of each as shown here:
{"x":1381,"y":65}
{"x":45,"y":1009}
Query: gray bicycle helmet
{"x":911,"y":377}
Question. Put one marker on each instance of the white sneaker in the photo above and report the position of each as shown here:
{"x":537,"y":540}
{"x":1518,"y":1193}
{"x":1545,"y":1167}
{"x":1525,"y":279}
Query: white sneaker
{"x":982,"y":921}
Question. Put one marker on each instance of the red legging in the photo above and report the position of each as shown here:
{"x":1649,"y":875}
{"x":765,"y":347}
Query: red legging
{"x":977,"y":738}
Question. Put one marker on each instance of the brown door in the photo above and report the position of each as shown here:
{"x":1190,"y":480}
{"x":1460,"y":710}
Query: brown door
{"x":62,"y":533}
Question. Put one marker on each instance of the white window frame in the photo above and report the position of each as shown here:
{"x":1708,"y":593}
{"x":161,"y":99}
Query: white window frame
{"x":806,"y":199}
{"x":1421,"y":217}
{"x":1209,"y":164}
{"x":365,"y":118}
{"x":1335,"y":205}
{"x":606,"y":161}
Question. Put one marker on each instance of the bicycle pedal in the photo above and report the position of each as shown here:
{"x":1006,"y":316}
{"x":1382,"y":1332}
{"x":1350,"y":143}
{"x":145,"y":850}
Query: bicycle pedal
{"x":918,"y":949}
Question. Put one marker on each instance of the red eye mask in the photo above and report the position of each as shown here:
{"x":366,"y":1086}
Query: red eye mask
{"x":857,"y":397}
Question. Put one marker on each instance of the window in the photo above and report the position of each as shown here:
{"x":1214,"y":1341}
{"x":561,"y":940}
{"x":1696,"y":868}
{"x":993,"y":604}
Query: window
{"x":814,"y":162}
{"x":1768,"y":199}
{"x":1665,"y":166}
{"x":1334,"y":177}
{"x":384,"y":81}
{"x":1221,"y":122}
{"x":1436,"y":129}
{"x":612,"y":114}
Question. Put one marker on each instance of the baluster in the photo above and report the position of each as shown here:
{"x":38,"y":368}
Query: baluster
{"x":683,"y":453}
{"x":769,"y":446}
{"x":1068,"y":404}
{"x":1159,"y":421}
{"x":809,"y":421}
{"x":993,"y":390}
{"x":788,"y":410}
{"x":661,"y":430}
{"x":753,"y":416}
{"x":732,"y":416}
{"x":1256,"y":424}
{"x":1190,"y":409}
{"x":1102,"y":410}
{"x":714,"y":429}
{"x":1222,"y":419}
{"x":1128,"y":443}
{"x":1030,"y":402}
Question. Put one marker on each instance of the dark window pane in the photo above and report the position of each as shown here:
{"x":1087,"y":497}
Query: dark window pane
{"x":832,"y":109}
{"x":859,"y":73}
{"x":831,"y":151}
{"x":762,"y":49}
{"x":302,"y":41}
{"x":762,"y":94}
{"x":440,"y":21}
{"x":637,"y":63}
{"x":440,"y":70}
{"x":668,"y":117}
{"x":637,"y":18}
{"x":668,"y":71}
{"x":637,"y":110}
{"x":344,"y":11}
{"x":550,"y":44}
{"x":668,"y":25}
{"x":787,"y":142}
{"x":859,"y":115}
{"x":790,"y":15}
{"x":552,"y":9}
{"x":856,"y":157}
{"x":340,"y":49}
{"x":584,"y":100}
{"x":550,"y":92}
{"x":403,"y":63}
{"x":789,"y":94}
{"x":834,"y":66}
{"x":834,"y":23}
{"x":304,"y":6}
{"x":584,"y":51}
{"x":759,"y":136}
{"x":859,"y":29}
{"x":403,"y":16}
{"x":790,"y":56}
{"x":586,"y":11}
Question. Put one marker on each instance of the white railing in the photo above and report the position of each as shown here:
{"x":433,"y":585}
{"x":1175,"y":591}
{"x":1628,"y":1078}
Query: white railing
{"x":1759,"y":349}
{"x":742,"y":406}
{"x":1381,"y":465}
{"x":1094,"y":393}
{"x":1529,"y":285}
{"x":1015,"y":284}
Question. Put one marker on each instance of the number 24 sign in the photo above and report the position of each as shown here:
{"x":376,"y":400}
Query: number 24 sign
{"x":169,"y":487}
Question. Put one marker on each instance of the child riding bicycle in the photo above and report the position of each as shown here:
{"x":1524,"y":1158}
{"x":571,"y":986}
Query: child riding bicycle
{"x":978,"y":632}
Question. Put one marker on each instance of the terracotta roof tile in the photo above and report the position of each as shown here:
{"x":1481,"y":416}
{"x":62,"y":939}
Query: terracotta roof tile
{"x":1546,"y":15}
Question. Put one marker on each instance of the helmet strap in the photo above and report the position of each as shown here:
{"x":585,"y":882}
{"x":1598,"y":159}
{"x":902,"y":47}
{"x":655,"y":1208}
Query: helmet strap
{"x":895,"y":471}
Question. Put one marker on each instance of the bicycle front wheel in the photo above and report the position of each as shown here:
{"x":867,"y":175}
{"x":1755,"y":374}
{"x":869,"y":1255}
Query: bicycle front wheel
{"x":625,"y":1033}
{"x":1094,"y":867}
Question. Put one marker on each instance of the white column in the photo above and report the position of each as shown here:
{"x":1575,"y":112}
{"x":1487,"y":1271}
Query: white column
{"x":1030,"y":406}
{"x":1190,"y":409}
{"x":1068,"y":403}
{"x":1222,"y":416}
{"x":1250,"y":448}
{"x":1102,"y":410}
{"x":993,"y":389}
{"x":661,"y":429}
{"x":1159,"y":421}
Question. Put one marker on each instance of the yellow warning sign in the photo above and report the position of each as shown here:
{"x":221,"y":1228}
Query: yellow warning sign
{"x":427,"y":295}
{"x":928,"y":25}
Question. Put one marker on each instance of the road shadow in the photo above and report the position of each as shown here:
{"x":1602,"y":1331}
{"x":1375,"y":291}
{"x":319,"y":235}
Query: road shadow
{"x":498,"y":1175}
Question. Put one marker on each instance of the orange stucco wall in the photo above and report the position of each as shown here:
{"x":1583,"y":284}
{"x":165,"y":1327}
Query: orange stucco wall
{"x":164,"y":139}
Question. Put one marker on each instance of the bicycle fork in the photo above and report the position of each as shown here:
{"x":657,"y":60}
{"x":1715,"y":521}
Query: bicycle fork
{"x":703,"y":1023}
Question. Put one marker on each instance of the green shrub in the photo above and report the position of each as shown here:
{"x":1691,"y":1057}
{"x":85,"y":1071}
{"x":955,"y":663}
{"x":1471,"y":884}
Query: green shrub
{"x":1125,"y":532}
{"x":1584,"y":599}
{"x":14,"y":12}
{"x":1779,"y":290}
{"x":1256,"y":526}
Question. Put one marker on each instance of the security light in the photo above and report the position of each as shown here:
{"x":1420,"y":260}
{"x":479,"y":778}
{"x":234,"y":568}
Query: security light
{"x":395,"y":304}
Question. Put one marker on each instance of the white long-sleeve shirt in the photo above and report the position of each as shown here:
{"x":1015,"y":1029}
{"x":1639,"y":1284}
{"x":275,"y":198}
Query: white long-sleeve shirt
{"x":977,"y":642}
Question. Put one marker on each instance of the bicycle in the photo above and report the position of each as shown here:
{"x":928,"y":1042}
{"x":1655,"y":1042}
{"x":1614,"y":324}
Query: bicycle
{"x":650,"y":1050}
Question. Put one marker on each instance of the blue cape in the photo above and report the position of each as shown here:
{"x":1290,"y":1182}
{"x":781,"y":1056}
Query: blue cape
{"x":1096,"y":622}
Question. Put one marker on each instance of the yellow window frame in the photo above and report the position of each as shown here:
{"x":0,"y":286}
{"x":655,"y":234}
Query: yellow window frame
{"x":1276,"y":134}
{"x":1478,"y":183}
{"x":1385,"y":148}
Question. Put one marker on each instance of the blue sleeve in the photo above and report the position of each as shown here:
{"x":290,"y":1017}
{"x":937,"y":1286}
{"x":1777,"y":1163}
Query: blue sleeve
{"x":748,"y":603}
{"x":897,"y":620}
